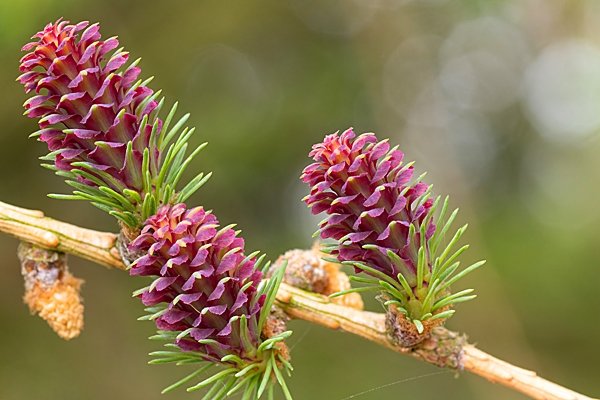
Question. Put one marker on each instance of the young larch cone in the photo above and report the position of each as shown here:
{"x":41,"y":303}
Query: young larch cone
{"x":207,"y":290}
{"x":102,"y":126}
{"x":367,"y":193}
{"x":89,"y":111}
{"x":50,"y":289}
{"x":383,"y":224}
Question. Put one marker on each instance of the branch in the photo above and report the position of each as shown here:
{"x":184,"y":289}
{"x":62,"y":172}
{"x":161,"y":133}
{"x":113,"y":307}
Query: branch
{"x":33,"y":227}
{"x":444,"y":348}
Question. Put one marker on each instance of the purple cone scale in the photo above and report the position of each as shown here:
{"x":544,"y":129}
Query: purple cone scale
{"x":361,"y":184}
{"x":205,"y":278}
{"x":88,"y":111}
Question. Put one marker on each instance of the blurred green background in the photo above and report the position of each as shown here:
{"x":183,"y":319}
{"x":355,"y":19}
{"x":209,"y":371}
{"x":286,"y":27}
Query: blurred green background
{"x":498,"y":100}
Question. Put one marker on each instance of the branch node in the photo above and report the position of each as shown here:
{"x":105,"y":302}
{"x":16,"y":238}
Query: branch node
{"x":275,"y":325}
{"x":404,"y":333}
{"x":443,"y":348}
{"x":124,"y":239}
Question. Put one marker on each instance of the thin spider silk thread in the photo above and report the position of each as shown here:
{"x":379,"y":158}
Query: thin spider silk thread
{"x":301,"y":337}
{"x":395,"y":383}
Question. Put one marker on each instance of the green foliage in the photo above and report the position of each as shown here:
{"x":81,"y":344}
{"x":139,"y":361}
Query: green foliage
{"x":429,"y":296}
{"x":164,"y":163}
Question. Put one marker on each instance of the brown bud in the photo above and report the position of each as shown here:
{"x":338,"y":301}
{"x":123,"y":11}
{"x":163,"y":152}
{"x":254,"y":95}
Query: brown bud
{"x":307,"y":271}
{"x":403,"y":332}
{"x":443,"y":348}
{"x":275,"y":325}
{"x":51,"y":290}
{"x":126,"y":236}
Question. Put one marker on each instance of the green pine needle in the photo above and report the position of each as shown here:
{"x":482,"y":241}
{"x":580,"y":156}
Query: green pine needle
{"x":265,"y":378}
{"x":187,"y":378}
{"x":65,"y":196}
{"x":280,"y":379}
{"x":271,"y":291}
{"x":216,"y":377}
{"x":193,"y":186}
{"x":355,"y":290}
{"x":443,"y":315}
{"x":419,"y":325}
{"x":461,"y":274}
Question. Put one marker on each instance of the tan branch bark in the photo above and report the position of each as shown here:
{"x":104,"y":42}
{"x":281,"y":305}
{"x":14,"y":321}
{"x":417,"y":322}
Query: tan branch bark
{"x":445,"y":348}
{"x":33,"y":227}
{"x":525,"y":381}
{"x":371,"y":326}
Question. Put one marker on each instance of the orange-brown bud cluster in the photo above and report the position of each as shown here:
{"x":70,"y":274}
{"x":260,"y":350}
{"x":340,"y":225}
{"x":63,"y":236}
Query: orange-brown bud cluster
{"x":51,"y":291}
